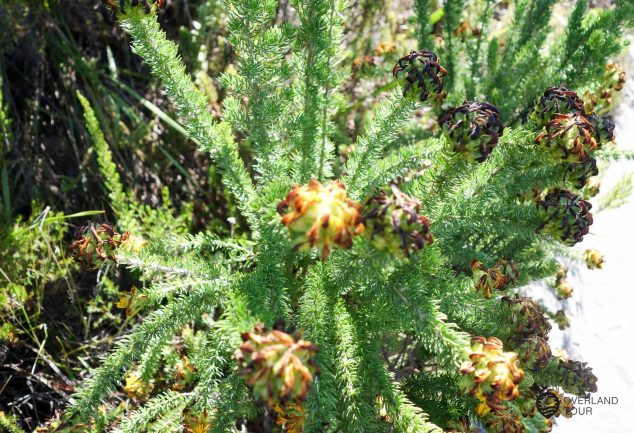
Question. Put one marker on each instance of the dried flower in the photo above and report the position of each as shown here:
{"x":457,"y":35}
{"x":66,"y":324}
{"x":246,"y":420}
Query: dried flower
{"x":278,"y":366}
{"x":556,"y":100}
{"x":487,"y":280}
{"x":321,"y":216}
{"x":527,"y":317}
{"x":490,"y":373}
{"x":394,"y":223}
{"x":95,"y":244}
{"x":576,"y":377}
{"x":508,"y":269}
{"x":594,"y":259}
{"x":569,"y":137}
{"x":421,"y":75}
{"x":474,"y":128}
{"x":565,"y":216}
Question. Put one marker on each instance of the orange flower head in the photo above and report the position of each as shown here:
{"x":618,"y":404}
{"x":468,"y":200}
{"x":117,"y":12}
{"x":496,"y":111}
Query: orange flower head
{"x":491,"y":374}
{"x":321,"y":216}
{"x":278,"y":366}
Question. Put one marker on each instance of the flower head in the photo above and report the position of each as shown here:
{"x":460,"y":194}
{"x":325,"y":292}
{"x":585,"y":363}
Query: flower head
{"x":563,"y":289}
{"x":603,"y":128}
{"x":291,"y":416}
{"x":499,"y":422}
{"x":569,"y":137}
{"x":474,"y":128}
{"x":580,"y":172}
{"x":527,"y":317}
{"x":556,"y":100}
{"x":534,"y":352}
{"x":421,"y":75}
{"x":561,"y":319}
{"x":490,"y":373}
{"x":278,"y":366}
{"x":565,"y":216}
{"x":136,"y":387}
{"x":321,"y":216}
{"x":95,"y":244}
{"x":503,"y":273}
{"x":576,"y":377}
{"x":487,"y":280}
{"x":394,"y":222}
{"x":594,"y":259}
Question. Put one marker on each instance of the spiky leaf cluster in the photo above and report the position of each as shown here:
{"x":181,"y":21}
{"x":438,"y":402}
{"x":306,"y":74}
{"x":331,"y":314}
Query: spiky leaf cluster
{"x":391,"y":333}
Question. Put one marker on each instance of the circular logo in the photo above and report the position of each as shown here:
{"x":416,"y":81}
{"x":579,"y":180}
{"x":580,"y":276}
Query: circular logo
{"x":548,"y":403}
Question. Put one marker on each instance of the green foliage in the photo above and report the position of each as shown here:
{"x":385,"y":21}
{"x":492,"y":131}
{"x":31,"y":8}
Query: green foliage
{"x":144,"y":220}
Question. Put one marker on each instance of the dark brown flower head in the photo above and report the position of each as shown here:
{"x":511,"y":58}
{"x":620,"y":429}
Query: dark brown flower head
{"x":603,"y":128}
{"x":527,"y":317}
{"x":278,"y":366}
{"x":474,"y":128}
{"x":565,"y":216}
{"x":569,"y":137}
{"x":577,"y":378}
{"x":580,"y":172}
{"x":556,"y":100}
{"x":534,"y":352}
{"x":421,"y":75}
{"x":95,"y":244}
{"x":394,"y":222}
